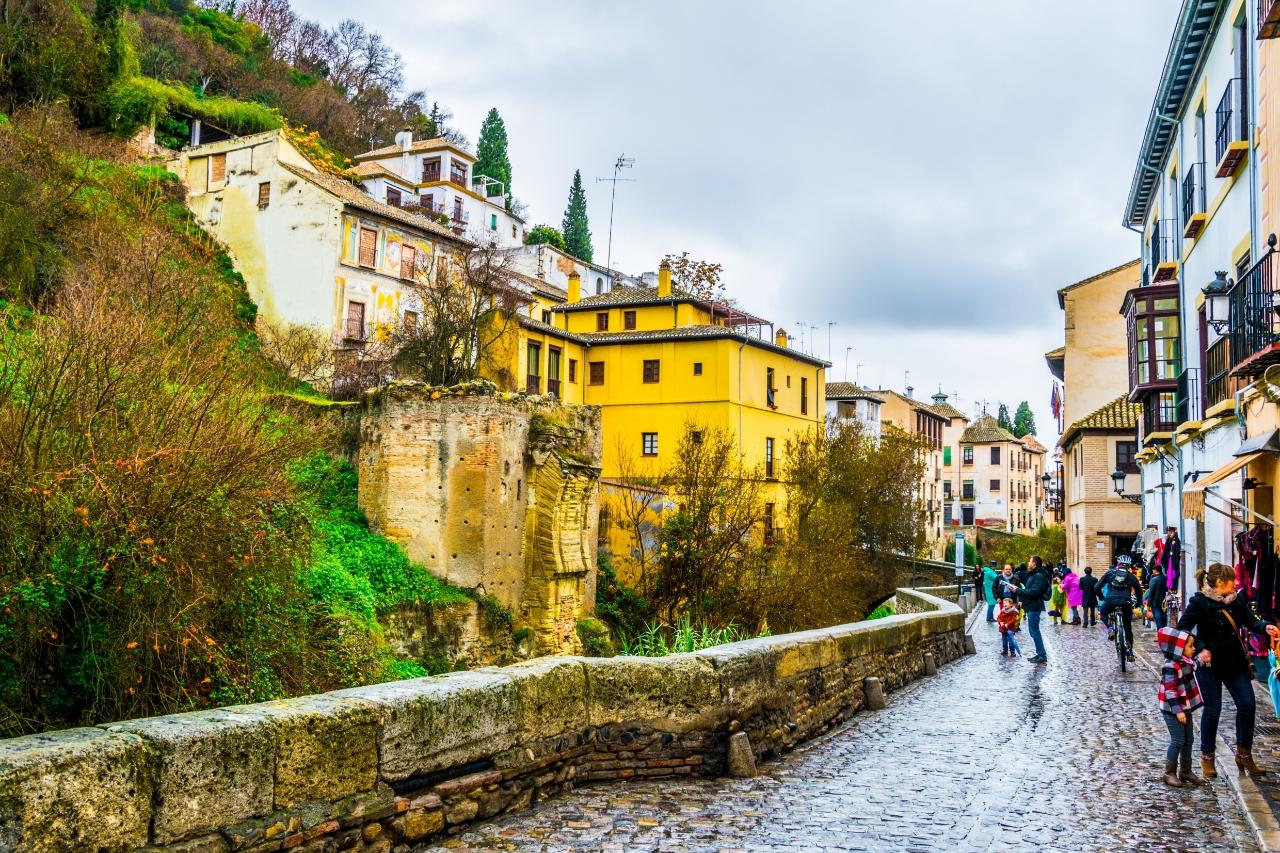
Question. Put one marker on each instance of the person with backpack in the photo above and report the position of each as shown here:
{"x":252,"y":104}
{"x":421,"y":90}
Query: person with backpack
{"x":1217,"y":613}
{"x":1122,"y":586}
{"x":1033,"y":595}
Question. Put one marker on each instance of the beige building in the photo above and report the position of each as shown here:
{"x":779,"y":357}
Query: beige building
{"x":1100,"y":432}
{"x":999,"y":479}
{"x":922,"y":419}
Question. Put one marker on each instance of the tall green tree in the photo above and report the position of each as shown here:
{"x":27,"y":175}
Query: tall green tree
{"x":491,"y":152}
{"x":1003,"y":419}
{"x":1024,"y":423}
{"x":577,"y":234}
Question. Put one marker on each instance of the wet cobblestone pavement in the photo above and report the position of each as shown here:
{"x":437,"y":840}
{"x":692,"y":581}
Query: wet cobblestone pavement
{"x":991,"y":754}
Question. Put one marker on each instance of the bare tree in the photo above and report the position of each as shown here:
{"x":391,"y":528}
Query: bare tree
{"x":700,"y":279}
{"x":635,"y":501}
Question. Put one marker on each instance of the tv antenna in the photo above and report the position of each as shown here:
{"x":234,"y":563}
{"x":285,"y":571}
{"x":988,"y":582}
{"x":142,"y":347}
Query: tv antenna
{"x":623,"y":162}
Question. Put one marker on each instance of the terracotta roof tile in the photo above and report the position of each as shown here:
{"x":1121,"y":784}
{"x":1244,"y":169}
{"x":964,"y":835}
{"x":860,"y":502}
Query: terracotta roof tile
{"x":1030,"y":443}
{"x":1119,"y":414}
{"x":420,"y":145}
{"x":847,"y":390}
{"x":986,"y":430}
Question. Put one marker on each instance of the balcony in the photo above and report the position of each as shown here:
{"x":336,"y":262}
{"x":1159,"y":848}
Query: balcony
{"x":1254,"y":333}
{"x":1159,"y":416}
{"x":1189,"y":404}
{"x":1164,"y":250}
{"x":1232,"y":128}
{"x":553,"y":388}
{"x":533,"y":384}
{"x":1155,"y":355}
{"x":1217,"y":373}
{"x":1193,"y":205}
{"x":1268,"y":19}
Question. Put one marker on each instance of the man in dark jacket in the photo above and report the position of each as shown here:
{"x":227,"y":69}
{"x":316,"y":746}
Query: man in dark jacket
{"x":1089,"y":589}
{"x":1122,"y":586}
{"x":1032,"y":596}
{"x":1156,"y":591}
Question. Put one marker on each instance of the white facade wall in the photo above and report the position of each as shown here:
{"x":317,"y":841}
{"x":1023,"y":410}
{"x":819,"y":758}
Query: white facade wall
{"x":866,"y":412}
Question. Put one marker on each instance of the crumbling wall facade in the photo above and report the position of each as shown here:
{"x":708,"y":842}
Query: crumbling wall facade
{"x":494,"y":492}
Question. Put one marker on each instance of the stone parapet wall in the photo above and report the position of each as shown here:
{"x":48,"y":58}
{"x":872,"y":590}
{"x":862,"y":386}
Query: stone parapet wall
{"x":374,"y":767}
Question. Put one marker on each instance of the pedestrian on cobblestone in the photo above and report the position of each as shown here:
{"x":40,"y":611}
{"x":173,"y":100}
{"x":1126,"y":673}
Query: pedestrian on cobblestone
{"x":1217,"y":613}
{"x":1057,"y":602}
{"x":1071,"y":587}
{"x":1122,"y":590}
{"x":1179,"y":697}
{"x":1157,"y":589}
{"x":988,"y":589}
{"x":1033,"y":595}
{"x":1006,"y":584}
{"x":1089,"y":597}
{"x":1008,"y":619}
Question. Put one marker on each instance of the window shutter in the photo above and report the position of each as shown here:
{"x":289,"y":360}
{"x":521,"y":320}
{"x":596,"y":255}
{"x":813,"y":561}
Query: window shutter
{"x":408,"y":260}
{"x":264,"y":193}
{"x":217,"y":168}
{"x":368,"y":247}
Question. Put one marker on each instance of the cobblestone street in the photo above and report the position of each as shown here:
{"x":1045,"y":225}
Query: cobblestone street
{"x":992,"y":754}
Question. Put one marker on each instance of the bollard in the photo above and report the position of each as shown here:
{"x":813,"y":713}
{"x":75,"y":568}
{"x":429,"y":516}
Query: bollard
{"x":873,"y":693}
{"x":930,"y":665}
{"x":969,"y":647}
{"x":742,"y":761}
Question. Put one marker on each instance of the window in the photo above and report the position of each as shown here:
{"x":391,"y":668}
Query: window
{"x":431,"y":170}
{"x":602,"y":321}
{"x":768,"y":524}
{"x":458,"y":173}
{"x":995,"y":485}
{"x":411,"y":322}
{"x":595,"y":373}
{"x":628,"y":319}
{"x":695,"y":437}
{"x":966,"y":490}
{"x":966,"y":454}
{"x":355,"y":321}
{"x":554,"y":357}
{"x":946,"y":455}
{"x":217,"y":168}
{"x":946,"y":488}
{"x":649,"y":443}
{"x":769,"y":390}
{"x":697,"y":368}
{"x":804,"y":396}
{"x":408,"y":261}
{"x":651,"y":368}
{"x":1126,"y":456}
{"x":768,"y":457}
{"x":533,"y":382}
{"x":368,"y":247}
{"x":493,"y":222}
{"x":995,"y":456}
{"x":573,"y":370}
{"x":599,"y":285}
{"x":393,"y":196}
{"x":546,"y":317}
{"x":264,"y":194}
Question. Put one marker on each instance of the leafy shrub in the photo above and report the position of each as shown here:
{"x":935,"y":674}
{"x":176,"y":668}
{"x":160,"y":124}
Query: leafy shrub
{"x":882,"y":611}
{"x":595,"y":638}
{"x":658,"y":640}
{"x":545,"y":234}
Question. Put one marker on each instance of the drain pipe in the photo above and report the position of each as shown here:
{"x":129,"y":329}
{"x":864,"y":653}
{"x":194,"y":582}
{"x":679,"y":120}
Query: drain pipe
{"x":741,"y":346}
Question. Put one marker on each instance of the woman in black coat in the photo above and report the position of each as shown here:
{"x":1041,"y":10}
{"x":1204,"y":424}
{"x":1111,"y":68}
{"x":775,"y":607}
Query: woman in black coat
{"x":1089,"y":589}
{"x":1217,"y":613}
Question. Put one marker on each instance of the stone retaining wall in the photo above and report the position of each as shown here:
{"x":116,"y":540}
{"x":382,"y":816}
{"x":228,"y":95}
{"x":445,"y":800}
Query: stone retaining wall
{"x":381,"y":767}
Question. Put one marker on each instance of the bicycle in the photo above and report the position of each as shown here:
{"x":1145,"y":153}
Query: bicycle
{"x":1120,"y":637}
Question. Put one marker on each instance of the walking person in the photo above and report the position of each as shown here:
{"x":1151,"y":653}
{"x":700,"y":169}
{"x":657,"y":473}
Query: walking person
{"x":1179,"y":697}
{"x":1071,"y":587}
{"x":1089,"y":597}
{"x":988,"y":589}
{"x":1157,"y":589}
{"x":1032,"y":595}
{"x":1057,"y":603}
{"x":1217,"y":613}
{"x":1008,"y":621}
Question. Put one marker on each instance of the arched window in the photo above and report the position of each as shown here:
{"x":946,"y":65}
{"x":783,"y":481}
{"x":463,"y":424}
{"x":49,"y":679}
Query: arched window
{"x":599,"y":285}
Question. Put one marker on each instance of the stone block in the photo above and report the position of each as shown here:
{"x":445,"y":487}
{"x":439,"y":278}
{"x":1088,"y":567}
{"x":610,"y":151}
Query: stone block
{"x":747,"y":671}
{"x":210,"y":768}
{"x":326,"y":746}
{"x":433,"y":723}
{"x":78,"y":789}
{"x":741,"y":760}
{"x":873,"y":693}
{"x":551,"y":696}
{"x":676,"y":693}
{"x":804,"y":651}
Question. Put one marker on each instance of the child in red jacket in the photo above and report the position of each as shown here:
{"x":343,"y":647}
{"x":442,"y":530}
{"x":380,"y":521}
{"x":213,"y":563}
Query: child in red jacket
{"x":1008,"y":619}
{"x":1179,"y":696}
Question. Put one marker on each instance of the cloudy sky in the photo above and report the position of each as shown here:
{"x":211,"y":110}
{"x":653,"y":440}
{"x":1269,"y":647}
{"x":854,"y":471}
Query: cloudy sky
{"x":924,"y":175}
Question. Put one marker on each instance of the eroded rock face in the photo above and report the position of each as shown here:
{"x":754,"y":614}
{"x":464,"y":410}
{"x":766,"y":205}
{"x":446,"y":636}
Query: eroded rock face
{"x":79,"y":789}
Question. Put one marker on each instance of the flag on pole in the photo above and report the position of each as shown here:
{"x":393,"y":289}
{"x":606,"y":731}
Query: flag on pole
{"x":1055,"y":403}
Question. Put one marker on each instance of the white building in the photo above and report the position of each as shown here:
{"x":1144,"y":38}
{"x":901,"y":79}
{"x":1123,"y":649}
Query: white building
{"x":440,"y":177}
{"x":847,"y":401}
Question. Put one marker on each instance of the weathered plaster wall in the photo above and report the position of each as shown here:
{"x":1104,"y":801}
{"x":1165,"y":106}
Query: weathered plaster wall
{"x":492,"y":492}
{"x":409,"y":761}
{"x":1096,"y":365}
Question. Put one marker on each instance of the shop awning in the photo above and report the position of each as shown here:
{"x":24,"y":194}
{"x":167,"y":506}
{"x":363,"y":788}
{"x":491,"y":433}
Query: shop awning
{"x":1222,"y":473}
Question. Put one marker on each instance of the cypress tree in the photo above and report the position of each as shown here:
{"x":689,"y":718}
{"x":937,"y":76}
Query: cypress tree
{"x":491,"y":153}
{"x":1003,"y":419}
{"x":1024,"y":422}
{"x":577,"y":233}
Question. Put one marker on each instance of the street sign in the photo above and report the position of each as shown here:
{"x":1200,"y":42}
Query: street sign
{"x":959,"y":553}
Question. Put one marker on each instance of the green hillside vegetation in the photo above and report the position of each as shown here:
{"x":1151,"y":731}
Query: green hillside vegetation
{"x":173,"y":533}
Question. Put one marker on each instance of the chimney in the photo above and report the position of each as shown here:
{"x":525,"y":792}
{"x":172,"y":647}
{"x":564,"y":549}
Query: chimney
{"x":664,"y":280}
{"x":575,"y":287}
{"x":404,"y":139}
{"x":780,"y":338}
{"x":911,"y":392}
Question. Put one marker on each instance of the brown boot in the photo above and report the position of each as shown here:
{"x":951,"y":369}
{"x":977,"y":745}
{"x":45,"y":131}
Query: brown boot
{"x":1171,"y":774}
{"x":1207,"y":768}
{"x":1185,"y":773}
{"x":1244,"y":761}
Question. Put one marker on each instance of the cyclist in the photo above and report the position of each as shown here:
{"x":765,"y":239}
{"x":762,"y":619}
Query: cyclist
{"x":1122,"y":587}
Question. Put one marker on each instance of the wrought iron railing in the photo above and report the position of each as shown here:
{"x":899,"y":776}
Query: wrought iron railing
{"x":1193,"y":192}
{"x":533,"y":384}
{"x":1164,"y":242}
{"x":1217,"y":373}
{"x":1190,"y":403}
{"x":1233,"y":118}
{"x":1159,"y":412}
{"x":1253,"y":318}
{"x":553,"y":387}
{"x":1268,"y":19}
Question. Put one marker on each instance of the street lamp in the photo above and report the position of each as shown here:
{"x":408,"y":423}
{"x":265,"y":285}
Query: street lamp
{"x":1217,"y":306}
{"x":1117,"y":483}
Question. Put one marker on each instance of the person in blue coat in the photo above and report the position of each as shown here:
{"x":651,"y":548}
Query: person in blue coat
{"x":989,"y":589}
